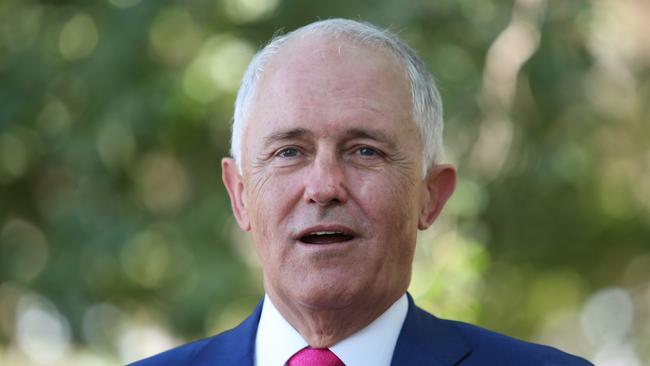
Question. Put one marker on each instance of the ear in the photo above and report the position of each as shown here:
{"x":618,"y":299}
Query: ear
{"x":440,"y":184}
{"x":235,"y":187}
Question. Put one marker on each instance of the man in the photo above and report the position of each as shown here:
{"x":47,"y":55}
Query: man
{"x":336,"y":164}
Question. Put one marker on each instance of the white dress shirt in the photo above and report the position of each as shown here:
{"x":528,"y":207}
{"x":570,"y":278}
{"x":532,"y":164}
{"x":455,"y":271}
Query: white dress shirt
{"x":277,"y":340}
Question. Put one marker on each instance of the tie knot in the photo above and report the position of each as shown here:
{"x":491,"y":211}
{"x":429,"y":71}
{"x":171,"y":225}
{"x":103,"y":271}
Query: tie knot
{"x":314,"y":357}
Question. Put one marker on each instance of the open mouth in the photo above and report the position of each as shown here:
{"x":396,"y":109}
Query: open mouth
{"x":326,"y":237}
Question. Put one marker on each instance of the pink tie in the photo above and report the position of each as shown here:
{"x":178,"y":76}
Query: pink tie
{"x":314,"y":357}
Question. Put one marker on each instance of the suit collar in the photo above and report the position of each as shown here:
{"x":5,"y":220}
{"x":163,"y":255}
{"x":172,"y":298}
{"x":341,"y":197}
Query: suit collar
{"x":423,"y":341}
{"x":427,"y":340}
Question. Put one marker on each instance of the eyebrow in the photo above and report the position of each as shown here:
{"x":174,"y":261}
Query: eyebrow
{"x":353,"y":133}
{"x":282,"y":135}
{"x":371,"y":134}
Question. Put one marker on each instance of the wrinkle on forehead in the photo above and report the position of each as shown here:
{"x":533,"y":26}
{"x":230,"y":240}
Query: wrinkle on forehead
{"x":362,"y":72}
{"x":330,"y":79}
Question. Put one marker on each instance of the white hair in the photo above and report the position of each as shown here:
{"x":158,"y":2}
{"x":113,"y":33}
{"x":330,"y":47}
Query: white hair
{"x":426,"y":104}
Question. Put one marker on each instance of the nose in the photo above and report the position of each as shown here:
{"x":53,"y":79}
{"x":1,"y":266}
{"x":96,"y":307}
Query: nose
{"x":326,"y":184}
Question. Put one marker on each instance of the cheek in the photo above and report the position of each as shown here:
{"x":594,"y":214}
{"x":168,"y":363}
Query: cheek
{"x":387,"y":198}
{"x":390,"y":204}
{"x":264,"y":210}
{"x":270,"y":200}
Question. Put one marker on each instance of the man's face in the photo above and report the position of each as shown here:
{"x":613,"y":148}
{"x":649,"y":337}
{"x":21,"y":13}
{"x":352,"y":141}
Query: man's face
{"x":332,"y":188}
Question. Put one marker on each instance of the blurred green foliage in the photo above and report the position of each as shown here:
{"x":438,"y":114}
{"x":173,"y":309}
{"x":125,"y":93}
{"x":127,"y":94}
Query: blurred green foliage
{"x":116,"y":237}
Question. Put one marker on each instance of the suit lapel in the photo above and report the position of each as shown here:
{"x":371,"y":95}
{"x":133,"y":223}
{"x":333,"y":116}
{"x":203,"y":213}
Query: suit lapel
{"x":423,"y":341}
{"x":233,"y":347}
{"x":427,"y":340}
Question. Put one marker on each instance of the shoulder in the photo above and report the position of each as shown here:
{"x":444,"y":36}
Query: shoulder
{"x":180,"y":356}
{"x":453,"y":342}
{"x":229,"y":347}
{"x":501,"y":349}
{"x":232,"y":347}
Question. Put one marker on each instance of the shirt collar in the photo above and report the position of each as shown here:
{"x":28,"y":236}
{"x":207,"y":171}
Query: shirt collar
{"x":277,"y":340}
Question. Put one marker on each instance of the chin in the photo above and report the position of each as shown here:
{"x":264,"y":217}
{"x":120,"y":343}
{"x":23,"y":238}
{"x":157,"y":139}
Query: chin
{"x":327,"y":297}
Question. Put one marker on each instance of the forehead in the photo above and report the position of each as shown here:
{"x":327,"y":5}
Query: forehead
{"x":317,"y":79}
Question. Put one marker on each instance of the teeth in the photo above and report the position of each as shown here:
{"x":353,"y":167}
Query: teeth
{"x":326,"y":237}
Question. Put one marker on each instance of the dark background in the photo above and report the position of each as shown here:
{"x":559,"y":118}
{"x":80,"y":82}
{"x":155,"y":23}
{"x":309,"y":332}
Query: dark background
{"x":116,"y":237}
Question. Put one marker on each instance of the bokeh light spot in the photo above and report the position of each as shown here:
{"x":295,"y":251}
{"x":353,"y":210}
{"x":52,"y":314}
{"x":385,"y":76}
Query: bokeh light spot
{"x":43,"y":334}
{"x":54,"y":118}
{"x":22,"y":28}
{"x":218,"y":68}
{"x":163,"y":184}
{"x":116,"y":145}
{"x":101,"y":324}
{"x":146,"y":259}
{"x":139,"y":340}
{"x":155,"y":256}
{"x":23,"y":250}
{"x":14,"y":158}
{"x":607,"y":316}
{"x":570,"y":162}
{"x":175,"y":36}
{"x":244,"y":11}
{"x":78,"y":37}
{"x":617,"y":354}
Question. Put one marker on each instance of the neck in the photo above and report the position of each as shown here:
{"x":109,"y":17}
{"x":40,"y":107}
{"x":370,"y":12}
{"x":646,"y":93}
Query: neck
{"x":322,"y":327}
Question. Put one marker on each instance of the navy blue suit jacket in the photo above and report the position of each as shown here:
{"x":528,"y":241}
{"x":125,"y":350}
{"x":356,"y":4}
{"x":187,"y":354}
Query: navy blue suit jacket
{"x":423,"y":340}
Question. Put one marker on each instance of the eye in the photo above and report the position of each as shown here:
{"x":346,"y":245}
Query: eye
{"x":288,"y":152}
{"x":366,"y":151}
